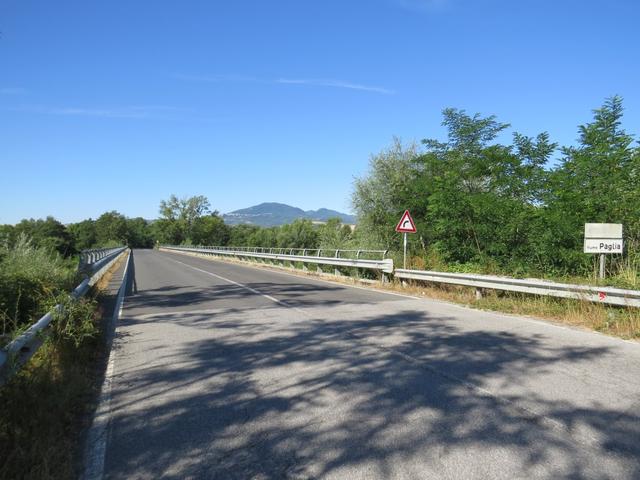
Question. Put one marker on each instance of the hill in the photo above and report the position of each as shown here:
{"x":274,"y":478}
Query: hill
{"x":271,"y":214}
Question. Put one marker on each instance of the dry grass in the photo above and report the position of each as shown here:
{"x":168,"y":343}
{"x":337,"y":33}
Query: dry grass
{"x":103,"y":283}
{"x":615,"y":321}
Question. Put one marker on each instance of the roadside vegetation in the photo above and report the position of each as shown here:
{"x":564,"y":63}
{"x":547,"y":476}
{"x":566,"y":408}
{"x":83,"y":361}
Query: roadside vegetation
{"x":610,"y":320}
{"x":484,"y":201}
{"x":514,"y":209}
{"x":45,"y":407}
{"x":481,"y":204}
{"x":30,"y":279}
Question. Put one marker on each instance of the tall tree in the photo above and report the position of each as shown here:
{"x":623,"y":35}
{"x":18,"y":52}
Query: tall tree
{"x":83,"y":234}
{"x":299,"y":234}
{"x":210,"y":230}
{"x":380,"y":196}
{"x":48,"y":233}
{"x":139,"y":234}
{"x":596,"y":181}
{"x":181,"y":213}
{"x":186,"y":209}
{"x":111,"y":229}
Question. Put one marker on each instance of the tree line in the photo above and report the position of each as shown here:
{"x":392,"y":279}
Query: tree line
{"x":485,"y":205}
{"x":182,"y":221}
{"x":480,"y":204}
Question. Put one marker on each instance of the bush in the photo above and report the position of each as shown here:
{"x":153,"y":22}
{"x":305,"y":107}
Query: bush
{"x":30,"y":277}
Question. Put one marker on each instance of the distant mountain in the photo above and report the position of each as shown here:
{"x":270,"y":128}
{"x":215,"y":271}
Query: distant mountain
{"x":273,"y":214}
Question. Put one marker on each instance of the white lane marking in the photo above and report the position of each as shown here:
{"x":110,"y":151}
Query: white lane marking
{"x":241,"y":285}
{"x":300,"y":275}
{"x":467,"y":308}
{"x":477,"y":389}
{"x":96,"y":449}
{"x":553,"y":423}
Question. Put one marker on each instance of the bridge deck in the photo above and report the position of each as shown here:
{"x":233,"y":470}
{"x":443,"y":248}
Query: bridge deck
{"x":225,"y":371}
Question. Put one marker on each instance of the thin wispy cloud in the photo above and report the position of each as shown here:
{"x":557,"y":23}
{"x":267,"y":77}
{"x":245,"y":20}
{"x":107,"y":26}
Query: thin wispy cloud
{"x":12,"y":91}
{"x":132,"y":112}
{"x":319,"y":82}
{"x":314,"y":82}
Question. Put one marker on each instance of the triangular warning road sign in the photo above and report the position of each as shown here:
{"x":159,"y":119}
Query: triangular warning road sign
{"x":406,"y":225}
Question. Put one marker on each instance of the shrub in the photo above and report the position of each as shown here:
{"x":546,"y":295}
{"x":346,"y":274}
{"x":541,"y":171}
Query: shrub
{"x":30,"y":277}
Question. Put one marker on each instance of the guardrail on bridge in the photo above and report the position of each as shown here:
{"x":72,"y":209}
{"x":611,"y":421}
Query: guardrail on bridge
{"x":337,"y":259}
{"x":22,"y":348}
{"x":605,"y":295}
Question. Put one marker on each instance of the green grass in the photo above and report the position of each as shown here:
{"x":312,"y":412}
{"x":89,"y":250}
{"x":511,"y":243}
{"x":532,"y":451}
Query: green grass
{"x":31,"y":280}
{"x":45,"y":407}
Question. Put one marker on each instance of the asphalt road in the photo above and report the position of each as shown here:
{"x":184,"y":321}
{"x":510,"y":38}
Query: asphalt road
{"x":223,"y":371}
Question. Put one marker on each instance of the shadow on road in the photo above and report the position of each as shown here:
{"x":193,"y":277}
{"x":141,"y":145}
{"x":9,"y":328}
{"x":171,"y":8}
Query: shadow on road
{"x":186,"y":297}
{"x":393,"y":396}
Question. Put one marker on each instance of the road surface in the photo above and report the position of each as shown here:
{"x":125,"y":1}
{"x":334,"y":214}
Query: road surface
{"x":225,"y":371}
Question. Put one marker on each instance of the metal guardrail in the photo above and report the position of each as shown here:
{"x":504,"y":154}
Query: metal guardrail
{"x":606,"y":295}
{"x":301,"y":251}
{"x":21,"y":349}
{"x":90,"y":259}
{"x":385,"y":265}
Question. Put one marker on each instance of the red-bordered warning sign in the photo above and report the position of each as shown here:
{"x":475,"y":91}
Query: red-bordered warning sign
{"x":406,"y":224}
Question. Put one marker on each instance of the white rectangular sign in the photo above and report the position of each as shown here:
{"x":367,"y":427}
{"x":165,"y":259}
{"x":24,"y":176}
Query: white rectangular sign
{"x":602,"y":245}
{"x":603,"y":230}
{"x":603,"y":238}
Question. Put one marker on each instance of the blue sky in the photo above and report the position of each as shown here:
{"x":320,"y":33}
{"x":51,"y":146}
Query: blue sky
{"x":115,"y":105}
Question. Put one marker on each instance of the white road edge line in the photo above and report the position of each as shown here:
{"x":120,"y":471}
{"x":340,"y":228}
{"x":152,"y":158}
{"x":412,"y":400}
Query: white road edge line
{"x":96,"y":446}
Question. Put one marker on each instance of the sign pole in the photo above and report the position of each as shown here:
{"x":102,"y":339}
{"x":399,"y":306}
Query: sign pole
{"x":602,"y":260}
{"x":405,"y":251}
{"x":404,"y":226}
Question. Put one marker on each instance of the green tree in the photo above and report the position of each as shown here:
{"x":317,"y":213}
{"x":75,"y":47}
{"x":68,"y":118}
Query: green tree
{"x":240,"y":235}
{"x":299,"y":234}
{"x":83,"y":234}
{"x":480,"y":198}
{"x":264,"y":237}
{"x":334,"y":234}
{"x":111,"y":229}
{"x":596,"y":181}
{"x":179,"y":214}
{"x":210,"y":230}
{"x":7,"y":236}
{"x":139,"y":233}
{"x":380,"y":197}
{"x":49,"y":234}
{"x":168,"y":232}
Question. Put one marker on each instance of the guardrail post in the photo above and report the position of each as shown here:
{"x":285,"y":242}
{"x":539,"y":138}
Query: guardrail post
{"x":479,"y":293}
{"x":304,"y":265}
{"x":336,"y":272}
